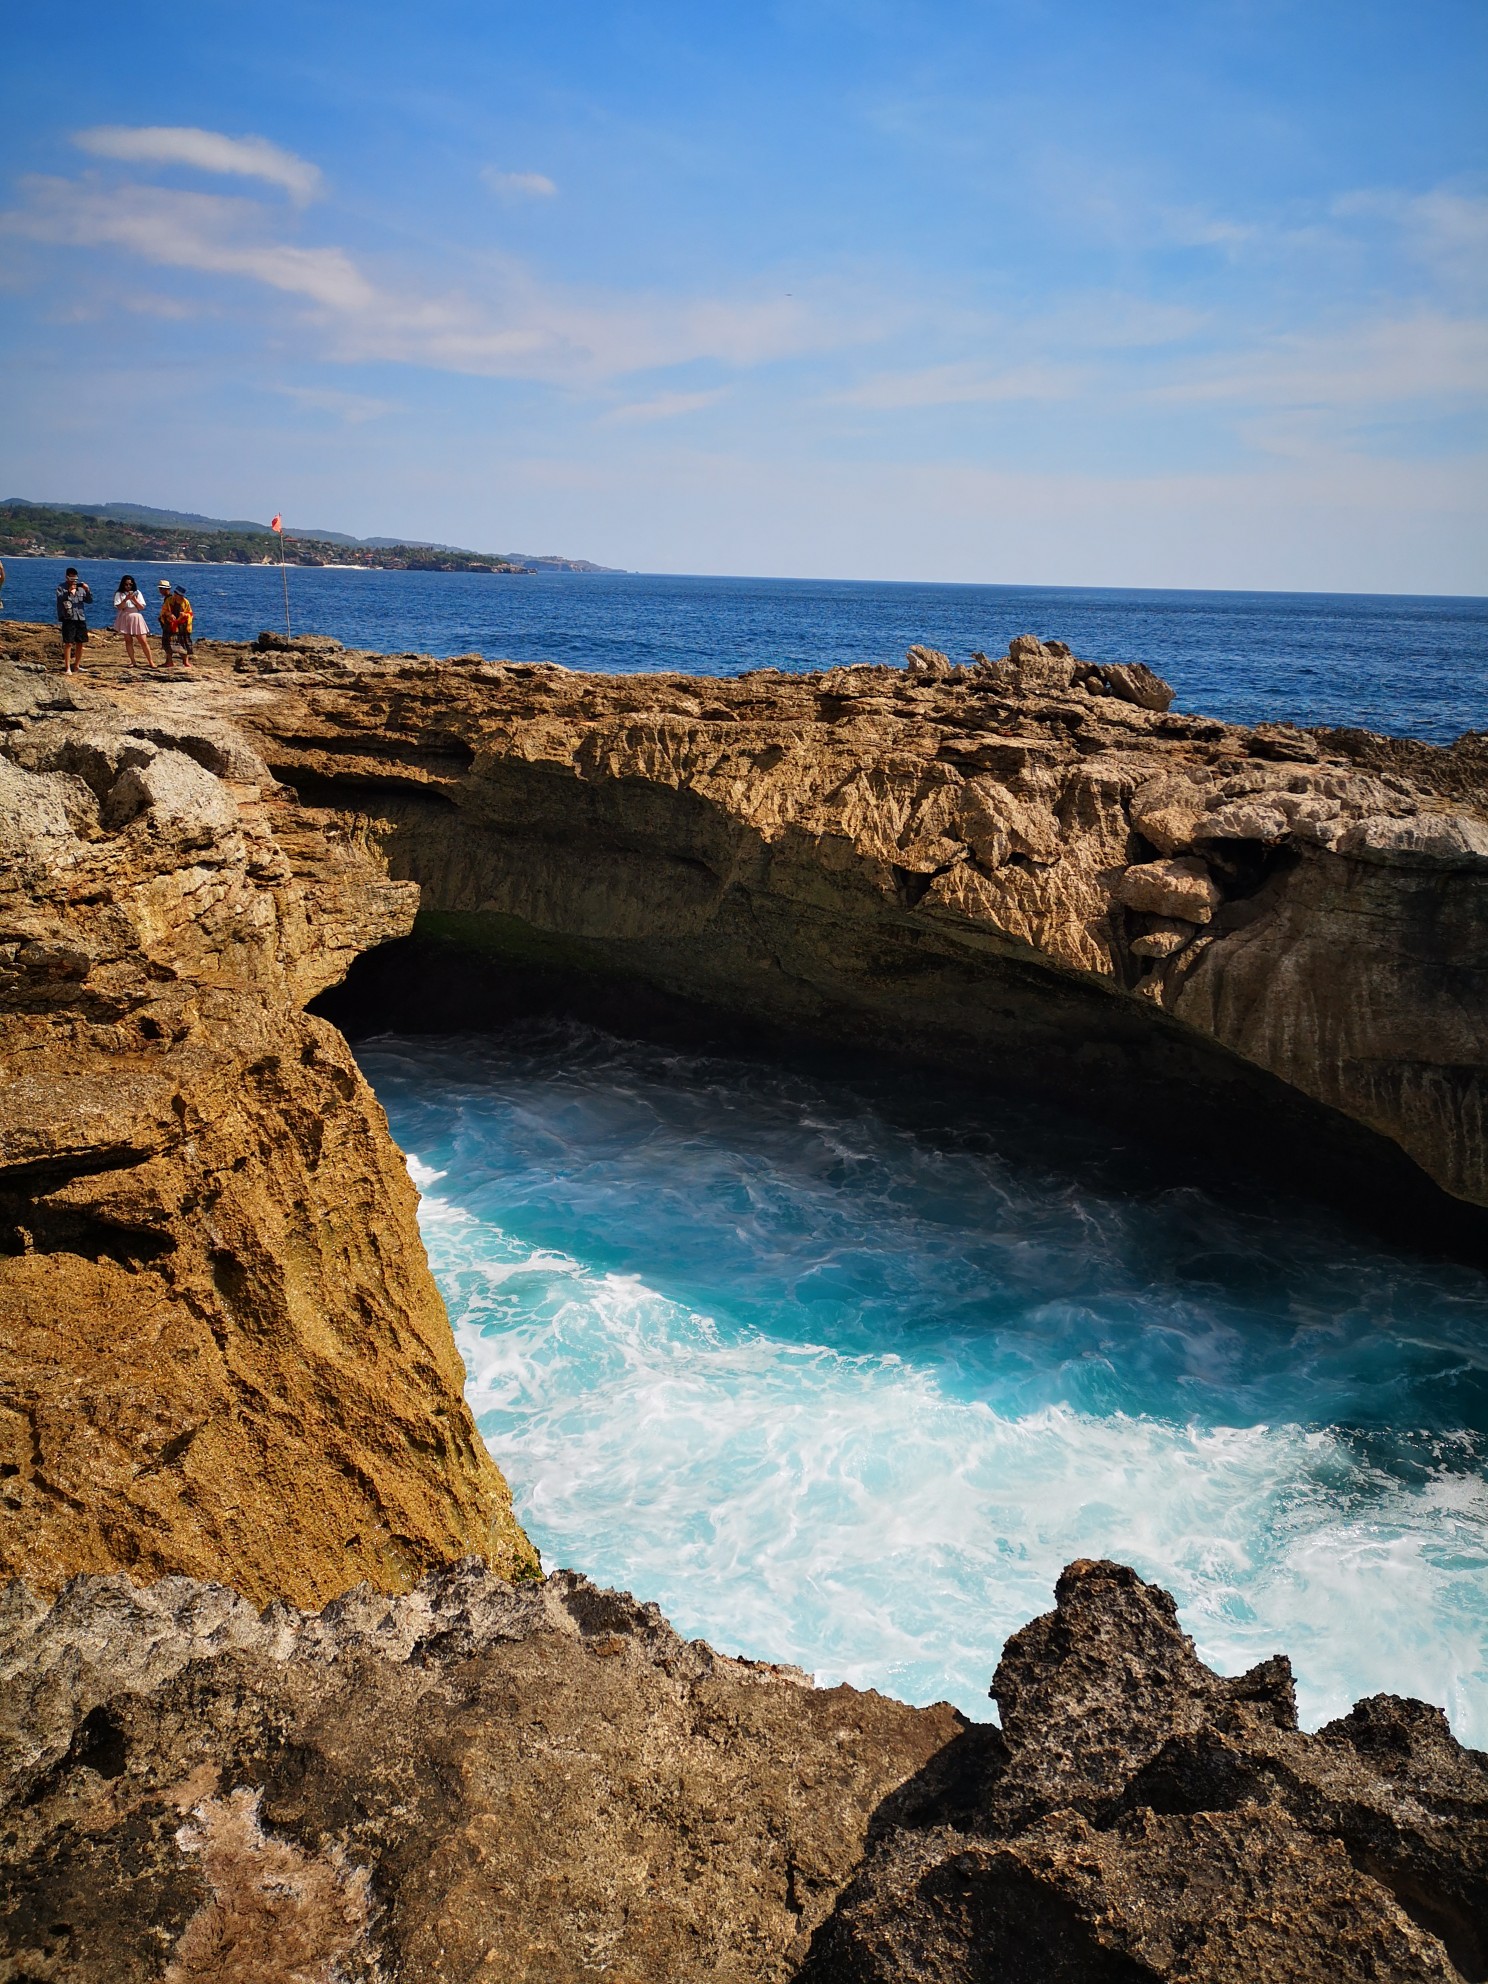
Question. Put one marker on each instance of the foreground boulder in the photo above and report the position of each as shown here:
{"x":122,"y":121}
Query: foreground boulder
{"x":543,"y":1782}
{"x":1140,"y":1818}
{"x":480,"y":1780}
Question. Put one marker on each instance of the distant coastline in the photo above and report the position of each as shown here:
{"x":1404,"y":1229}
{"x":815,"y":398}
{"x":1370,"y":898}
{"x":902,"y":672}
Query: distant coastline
{"x":133,"y":530}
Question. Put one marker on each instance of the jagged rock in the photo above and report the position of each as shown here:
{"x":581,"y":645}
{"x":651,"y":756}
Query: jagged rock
{"x":1181,"y":888}
{"x":1134,"y":682}
{"x":1141,"y":1818}
{"x":269,"y":642}
{"x":1283,"y":742}
{"x":928,"y":664}
{"x":1039,"y":669}
{"x":481,"y":1775}
{"x":1242,"y":819}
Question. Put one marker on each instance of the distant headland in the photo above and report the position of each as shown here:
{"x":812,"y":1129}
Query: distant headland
{"x":134,"y":530}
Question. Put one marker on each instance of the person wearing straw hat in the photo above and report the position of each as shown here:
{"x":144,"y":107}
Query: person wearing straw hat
{"x":175,"y":623}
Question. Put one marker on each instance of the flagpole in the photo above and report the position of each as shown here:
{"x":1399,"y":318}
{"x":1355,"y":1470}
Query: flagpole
{"x":284,"y":575}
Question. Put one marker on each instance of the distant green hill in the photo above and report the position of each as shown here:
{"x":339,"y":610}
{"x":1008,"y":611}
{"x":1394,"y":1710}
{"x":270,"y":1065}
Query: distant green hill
{"x":40,"y":530}
{"x":135,"y":530}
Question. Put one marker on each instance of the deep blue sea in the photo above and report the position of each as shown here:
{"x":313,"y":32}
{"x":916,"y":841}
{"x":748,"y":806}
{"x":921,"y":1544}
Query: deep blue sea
{"x":840,"y":1374}
{"x":1410,"y":667}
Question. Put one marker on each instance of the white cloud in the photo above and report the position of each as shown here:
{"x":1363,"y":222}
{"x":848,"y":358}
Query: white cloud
{"x":665,"y":406}
{"x":519,"y":185}
{"x":207,"y":151}
{"x":518,"y":328}
{"x":971,"y":383}
{"x":209,"y":231}
{"x":1368,"y":364}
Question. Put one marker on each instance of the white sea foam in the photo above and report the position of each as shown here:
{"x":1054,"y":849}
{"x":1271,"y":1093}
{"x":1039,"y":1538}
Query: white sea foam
{"x":870,"y":1396}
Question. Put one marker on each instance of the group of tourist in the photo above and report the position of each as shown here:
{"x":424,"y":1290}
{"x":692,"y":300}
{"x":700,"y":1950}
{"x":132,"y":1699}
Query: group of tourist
{"x":75,"y":596}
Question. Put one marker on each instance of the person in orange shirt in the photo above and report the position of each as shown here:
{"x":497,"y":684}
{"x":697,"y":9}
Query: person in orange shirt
{"x":176,"y":621}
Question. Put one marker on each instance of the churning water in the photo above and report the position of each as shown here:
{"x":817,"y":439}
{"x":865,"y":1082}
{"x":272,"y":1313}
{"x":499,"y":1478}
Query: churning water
{"x":841,"y":1372}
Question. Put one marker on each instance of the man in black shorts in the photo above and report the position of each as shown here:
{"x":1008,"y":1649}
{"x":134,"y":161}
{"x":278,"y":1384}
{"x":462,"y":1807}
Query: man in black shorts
{"x":73,"y":600}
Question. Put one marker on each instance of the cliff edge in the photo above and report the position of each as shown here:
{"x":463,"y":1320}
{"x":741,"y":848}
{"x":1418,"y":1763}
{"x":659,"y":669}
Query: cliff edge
{"x":221,"y":1349}
{"x":1034,"y":869}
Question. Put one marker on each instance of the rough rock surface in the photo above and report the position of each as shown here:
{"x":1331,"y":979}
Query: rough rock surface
{"x":1033,"y":867}
{"x":952,"y":861}
{"x":544,"y":1782}
{"x":1140,"y":1818}
{"x":221,"y":1350}
{"x":479,"y":1780}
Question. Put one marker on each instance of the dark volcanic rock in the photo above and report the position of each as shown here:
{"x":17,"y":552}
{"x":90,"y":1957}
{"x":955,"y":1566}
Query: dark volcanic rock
{"x":543,"y":1781}
{"x":1142,"y":1818}
{"x":477,"y":1780}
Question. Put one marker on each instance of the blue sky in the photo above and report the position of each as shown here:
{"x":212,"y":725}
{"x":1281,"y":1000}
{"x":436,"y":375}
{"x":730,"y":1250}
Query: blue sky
{"x":1126,"y":293}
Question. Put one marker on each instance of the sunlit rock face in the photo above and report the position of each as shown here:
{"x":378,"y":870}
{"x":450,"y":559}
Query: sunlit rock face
{"x":221,"y":1350}
{"x":1033,"y":867}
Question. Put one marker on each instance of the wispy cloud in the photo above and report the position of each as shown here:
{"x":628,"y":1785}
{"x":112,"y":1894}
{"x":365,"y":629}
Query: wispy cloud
{"x":518,"y":185}
{"x":664,"y":406}
{"x":970,"y":383}
{"x":517,"y":327}
{"x":1369,"y":364}
{"x":207,"y":151}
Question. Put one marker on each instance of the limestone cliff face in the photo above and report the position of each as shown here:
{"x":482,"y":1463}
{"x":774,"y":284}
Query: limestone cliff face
{"x":1033,"y":868}
{"x":221,"y":1350}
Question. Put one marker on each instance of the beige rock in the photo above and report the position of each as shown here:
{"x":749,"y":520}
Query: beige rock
{"x":1180,"y":887}
{"x":1163,"y":938}
{"x":1430,"y":840}
{"x":928,"y":664}
{"x":1135,"y":683}
{"x":1167,"y":811}
{"x":1243,"y":819}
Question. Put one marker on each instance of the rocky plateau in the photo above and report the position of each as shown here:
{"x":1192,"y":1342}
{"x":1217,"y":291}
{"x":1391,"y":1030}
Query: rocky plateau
{"x":227,"y":1382}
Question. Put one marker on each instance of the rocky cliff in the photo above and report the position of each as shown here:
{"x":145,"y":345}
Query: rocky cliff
{"x":222,"y":1358}
{"x":1033,"y":868}
{"x":544,"y":1783}
{"x":221,"y":1350}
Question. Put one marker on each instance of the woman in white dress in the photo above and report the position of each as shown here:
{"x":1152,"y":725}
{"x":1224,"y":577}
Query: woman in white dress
{"x":129,"y":618}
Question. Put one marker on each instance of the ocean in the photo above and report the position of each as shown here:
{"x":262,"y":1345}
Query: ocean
{"x":1406,"y":666}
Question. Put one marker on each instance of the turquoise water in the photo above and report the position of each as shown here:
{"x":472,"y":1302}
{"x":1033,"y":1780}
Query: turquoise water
{"x":1407,"y":666}
{"x":842,"y":1373}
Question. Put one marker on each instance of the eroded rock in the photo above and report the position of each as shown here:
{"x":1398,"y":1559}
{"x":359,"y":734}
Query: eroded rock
{"x":1142,"y":1818}
{"x":539,"y":1782}
{"x":480,"y":1776}
{"x":221,"y":1350}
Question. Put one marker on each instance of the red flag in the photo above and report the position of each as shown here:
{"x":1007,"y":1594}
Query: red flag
{"x":277,"y":523}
